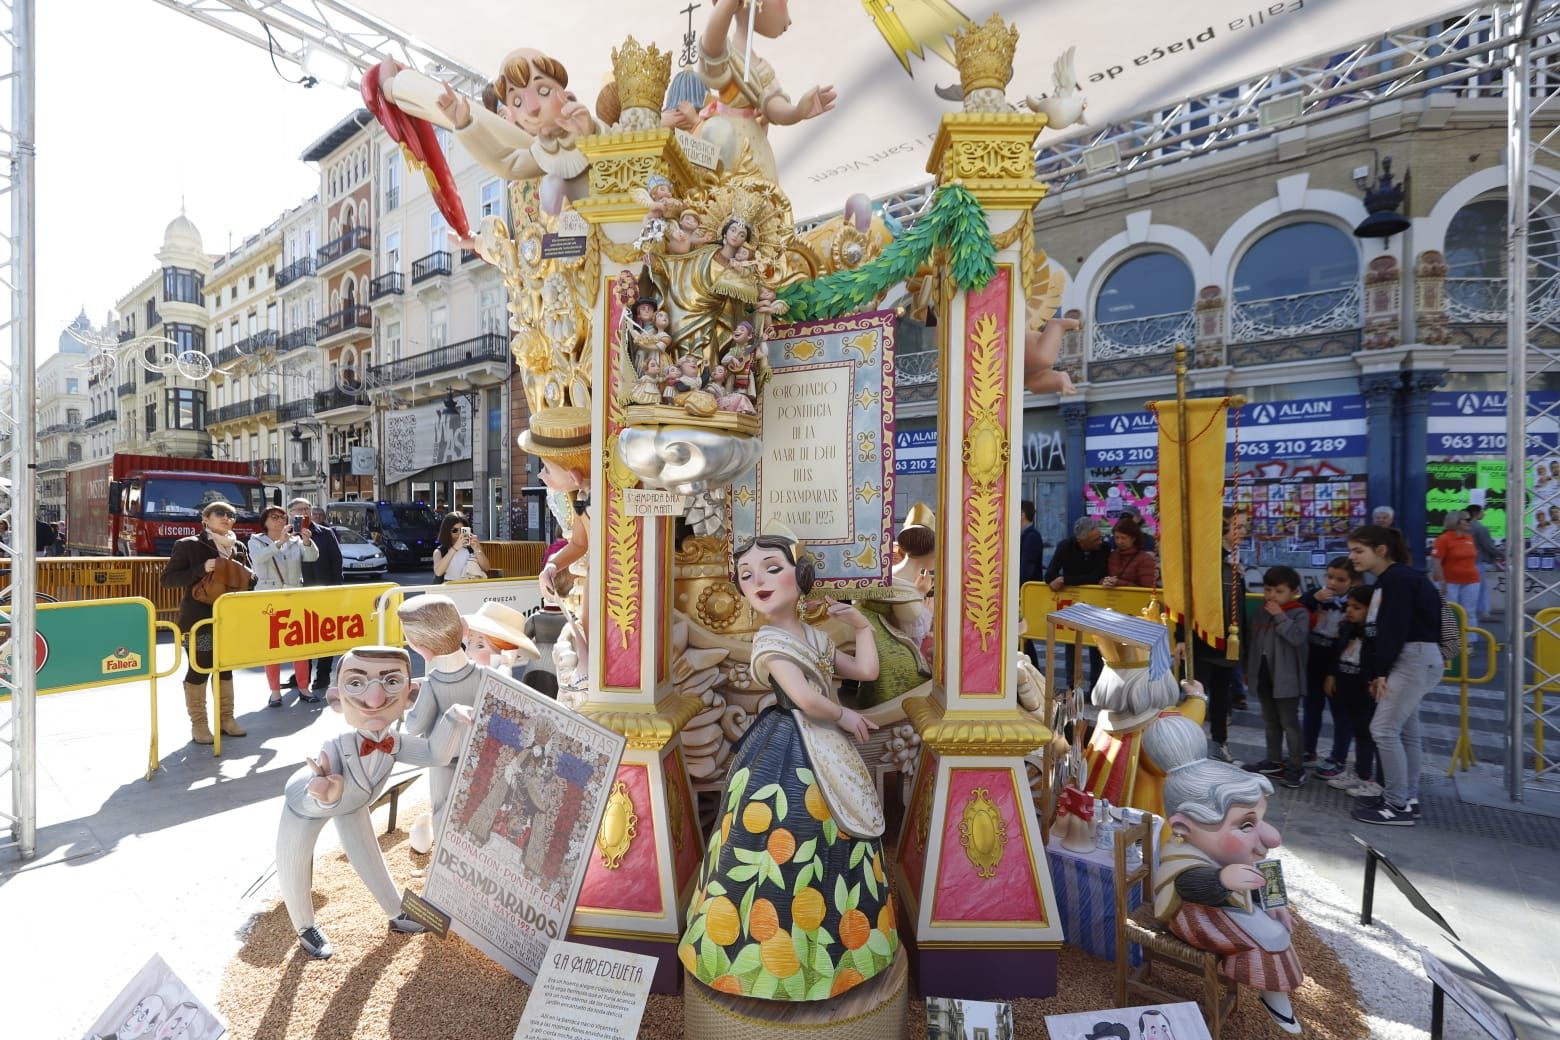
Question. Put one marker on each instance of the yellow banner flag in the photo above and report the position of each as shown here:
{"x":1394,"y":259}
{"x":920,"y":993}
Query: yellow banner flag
{"x":1191,"y":513}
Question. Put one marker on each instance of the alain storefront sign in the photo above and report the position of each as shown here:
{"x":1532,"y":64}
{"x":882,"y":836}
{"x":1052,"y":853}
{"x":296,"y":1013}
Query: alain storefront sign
{"x":255,"y":628}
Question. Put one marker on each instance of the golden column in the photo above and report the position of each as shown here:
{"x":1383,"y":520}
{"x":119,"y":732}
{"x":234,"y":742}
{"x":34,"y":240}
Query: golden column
{"x":647,"y":855}
{"x":971,"y":864}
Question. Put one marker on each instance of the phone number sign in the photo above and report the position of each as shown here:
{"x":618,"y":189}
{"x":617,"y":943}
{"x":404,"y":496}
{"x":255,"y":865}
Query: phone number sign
{"x":1311,"y":428}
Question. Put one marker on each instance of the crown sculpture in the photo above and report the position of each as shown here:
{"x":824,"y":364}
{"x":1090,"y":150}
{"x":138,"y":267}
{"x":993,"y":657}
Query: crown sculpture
{"x":984,"y":55}
{"x":641,"y":76}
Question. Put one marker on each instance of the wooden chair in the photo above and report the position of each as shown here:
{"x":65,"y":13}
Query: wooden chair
{"x":1219,"y":996}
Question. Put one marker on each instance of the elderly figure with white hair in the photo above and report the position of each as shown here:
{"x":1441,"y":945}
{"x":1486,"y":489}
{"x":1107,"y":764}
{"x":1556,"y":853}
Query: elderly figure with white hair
{"x":1383,"y":516}
{"x":1206,"y":888}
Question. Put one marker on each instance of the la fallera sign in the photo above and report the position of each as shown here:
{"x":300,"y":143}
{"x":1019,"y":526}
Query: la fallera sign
{"x":254,"y":628}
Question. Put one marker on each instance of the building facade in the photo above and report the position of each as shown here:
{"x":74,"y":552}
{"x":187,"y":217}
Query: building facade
{"x":297,"y":357}
{"x":63,"y":407}
{"x":245,"y":383}
{"x":161,"y":406}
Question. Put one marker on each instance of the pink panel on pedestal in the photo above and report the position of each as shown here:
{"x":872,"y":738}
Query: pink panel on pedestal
{"x":636,"y":884}
{"x":687,"y":848}
{"x":620,"y":648}
{"x":1012,"y":893}
{"x":987,"y":457}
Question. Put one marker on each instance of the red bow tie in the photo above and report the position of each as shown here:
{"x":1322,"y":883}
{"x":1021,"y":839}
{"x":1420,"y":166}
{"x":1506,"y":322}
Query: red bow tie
{"x":385,"y":744}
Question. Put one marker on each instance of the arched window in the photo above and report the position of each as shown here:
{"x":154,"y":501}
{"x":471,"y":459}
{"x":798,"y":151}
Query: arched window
{"x":1144,"y":307}
{"x":1296,"y":280}
{"x":1476,"y":263}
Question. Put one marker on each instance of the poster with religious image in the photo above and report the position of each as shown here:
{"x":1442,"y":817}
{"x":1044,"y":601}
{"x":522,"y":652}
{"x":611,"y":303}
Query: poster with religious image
{"x":827,"y":469}
{"x":1151,"y":1022}
{"x":529,"y":794}
{"x":156,"y":1003}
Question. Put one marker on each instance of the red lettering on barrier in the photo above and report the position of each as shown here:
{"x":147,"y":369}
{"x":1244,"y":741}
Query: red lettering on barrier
{"x":313,"y":628}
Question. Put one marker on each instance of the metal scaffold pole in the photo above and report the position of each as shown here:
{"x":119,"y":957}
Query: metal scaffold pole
{"x":19,"y":657}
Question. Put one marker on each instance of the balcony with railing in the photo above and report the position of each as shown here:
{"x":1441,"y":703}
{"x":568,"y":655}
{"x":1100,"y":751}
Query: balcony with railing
{"x":391,"y":283}
{"x":291,"y":411}
{"x":302,"y":469}
{"x":127,"y":389}
{"x":226,"y":356}
{"x":916,"y":368}
{"x":258,"y":341}
{"x":434,"y":265}
{"x":153,"y":376}
{"x":229,"y":412}
{"x":338,"y":400}
{"x":1140,"y":337}
{"x":349,"y":319}
{"x":470,"y":256}
{"x":342,"y":246}
{"x":49,"y":465}
{"x":59,"y":428}
{"x":1301,"y":314}
{"x":301,"y":268}
{"x":126,"y":335}
{"x":94,"y":421}
{"x":490,"y":348}
{"x":304,"y":337}
{"x":270,"y":469}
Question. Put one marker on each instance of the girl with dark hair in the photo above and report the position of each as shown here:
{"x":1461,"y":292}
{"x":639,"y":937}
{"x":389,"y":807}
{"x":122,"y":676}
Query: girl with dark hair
{"x":1403,"y":627}
{"x":794,"y":784}
{"x":459,"y":555}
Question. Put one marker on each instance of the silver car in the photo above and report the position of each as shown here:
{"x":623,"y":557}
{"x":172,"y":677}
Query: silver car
{"x":359,"y":556}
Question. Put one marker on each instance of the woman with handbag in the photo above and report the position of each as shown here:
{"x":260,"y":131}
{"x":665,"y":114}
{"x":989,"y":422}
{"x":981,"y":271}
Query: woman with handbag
{"x":459,"y":555}
{"x":206,"y":566}
{"x":279,"y":553}
{"x":802,"y":824}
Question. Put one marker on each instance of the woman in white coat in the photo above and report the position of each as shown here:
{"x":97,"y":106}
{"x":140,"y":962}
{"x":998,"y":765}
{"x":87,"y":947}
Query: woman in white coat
{"x":278,"y":555}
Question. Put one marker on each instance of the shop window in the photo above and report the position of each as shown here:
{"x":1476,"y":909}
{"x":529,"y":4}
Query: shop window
{"x":1144,"y":307}
{"x":1297,"y":280}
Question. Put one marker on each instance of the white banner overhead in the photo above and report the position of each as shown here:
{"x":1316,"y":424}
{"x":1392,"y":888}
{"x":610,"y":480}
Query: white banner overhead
{"x":426,"y":436}
{"x":1133,"y":56}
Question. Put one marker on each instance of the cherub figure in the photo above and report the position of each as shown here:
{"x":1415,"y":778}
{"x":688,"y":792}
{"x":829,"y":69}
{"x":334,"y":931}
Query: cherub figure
{"x":1041,"y":350}
{"x":647,"y":389}
{"x":689,"y":222}
{"x":769,"y":304}
{"x":372,"y":688}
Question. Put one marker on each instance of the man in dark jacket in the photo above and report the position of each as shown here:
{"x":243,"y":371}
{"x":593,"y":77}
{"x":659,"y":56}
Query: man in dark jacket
{"x":1080,"y":560}
{"x":324,"y":571}
{"x":1031,"y":562}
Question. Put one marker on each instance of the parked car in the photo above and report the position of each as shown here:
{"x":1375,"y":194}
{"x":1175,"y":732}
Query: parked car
{"x":360,"y":558}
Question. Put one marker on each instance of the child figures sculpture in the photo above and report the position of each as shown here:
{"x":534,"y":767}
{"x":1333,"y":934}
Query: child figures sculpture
{"x":372,"y":688}
{"x":1206,"y":888}
{"x":435,"y":630}
{"x":800,"y":804}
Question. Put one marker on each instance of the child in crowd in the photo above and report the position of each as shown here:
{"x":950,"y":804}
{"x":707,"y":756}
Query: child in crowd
{"x":1349,"y":686}
{"x":1276,"y":659}
{"x":1326,"y":607}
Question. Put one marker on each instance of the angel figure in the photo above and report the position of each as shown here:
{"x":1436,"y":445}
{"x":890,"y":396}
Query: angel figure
{"x":749,"y":97}
{"x":1065,"y":106}
{"x":1041,"y":350}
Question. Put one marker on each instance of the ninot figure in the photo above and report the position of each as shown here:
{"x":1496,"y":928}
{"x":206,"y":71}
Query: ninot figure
{"x":1206,"y":888}
{"x":372,"y":688}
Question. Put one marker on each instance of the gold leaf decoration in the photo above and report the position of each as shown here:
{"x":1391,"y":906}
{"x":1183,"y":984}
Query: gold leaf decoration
{"x":804,"y":350}
{"x":619,"y":827}
{"x":867,"y":398}
{"x":867,"y":492}
{"x":867,"y":558}
{"x":864,"y":344}
{"x":982,"y":833}
{"x":866,"y":447}
{"x":985,"y":454}
{"x":742,"y":494}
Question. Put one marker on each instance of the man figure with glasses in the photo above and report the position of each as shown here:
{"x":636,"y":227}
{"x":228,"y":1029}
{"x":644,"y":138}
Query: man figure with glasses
{"x":324,"y":571}
{"x":372,"y":690}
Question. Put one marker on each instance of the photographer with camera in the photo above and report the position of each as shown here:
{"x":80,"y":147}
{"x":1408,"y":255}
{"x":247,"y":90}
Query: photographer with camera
{"x":327,"y":570}
{"x":459,"y":555}
{"x":278,"y":555}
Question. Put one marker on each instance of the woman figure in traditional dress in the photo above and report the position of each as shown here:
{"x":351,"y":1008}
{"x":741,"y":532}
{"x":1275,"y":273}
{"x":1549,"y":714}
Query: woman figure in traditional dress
{"x":793,"y":902}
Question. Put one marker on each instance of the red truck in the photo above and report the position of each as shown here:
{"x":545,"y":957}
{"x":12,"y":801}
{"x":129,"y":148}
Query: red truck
{"x":139,"y":505}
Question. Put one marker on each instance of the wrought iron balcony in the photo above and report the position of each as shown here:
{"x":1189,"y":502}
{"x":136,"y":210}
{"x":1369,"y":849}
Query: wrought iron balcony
{"x":127,"y":389}
{"x":293,"y":410}
{"x":488,"y":348}
{"x":100,"y":418}
{"x":431,"y":266}
{"x":126,"y":335}
{"x":1140,"y":337}
{"x":226,"y":356}
{"x":58,"y":428}
{"x":48,"y":465}
{"x":347,"y":319}
{"x":387,"y":284}
{"x":470,"y":256}
{"x":267,"y":467}
{"x":915,"y":368}
{"x":305,"y":469}
{"x":303,"y":267}
{"x":303,"y":337}
{"x":343,"y":245}
{"x":229,"y":412}
{"x":153,"y":376}
{"x":334,"y":400}
{"x":1302,"y":314}
{"x":257,"y":342}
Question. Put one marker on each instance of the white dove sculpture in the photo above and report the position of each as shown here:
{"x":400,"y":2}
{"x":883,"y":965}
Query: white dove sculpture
{"x":1065,"y":107}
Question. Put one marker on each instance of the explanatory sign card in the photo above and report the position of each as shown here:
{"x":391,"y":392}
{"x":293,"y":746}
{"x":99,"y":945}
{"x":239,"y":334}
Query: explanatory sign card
{"x":522,"y":820}
{"x":587,"y":993}
{"x":827,"y":470}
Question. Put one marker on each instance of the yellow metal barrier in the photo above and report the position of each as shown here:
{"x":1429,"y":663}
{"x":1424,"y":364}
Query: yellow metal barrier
{"x":1037,"y":600}
{"x":1457,"y":672}
{"x":76,"y":579}
{"x":1546,"y":657}
{"x":515,"y":559}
